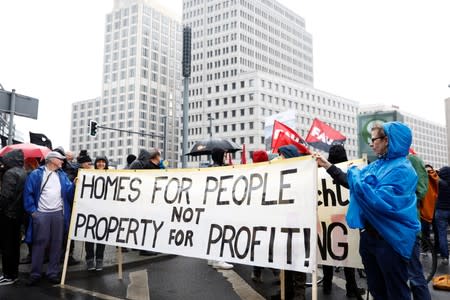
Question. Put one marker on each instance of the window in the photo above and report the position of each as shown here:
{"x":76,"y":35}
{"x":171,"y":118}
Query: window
{"x":242,"y":126}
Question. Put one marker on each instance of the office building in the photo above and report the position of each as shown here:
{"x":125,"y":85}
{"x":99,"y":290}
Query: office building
{"x":141,"y":88}
{"x":251,"y":59}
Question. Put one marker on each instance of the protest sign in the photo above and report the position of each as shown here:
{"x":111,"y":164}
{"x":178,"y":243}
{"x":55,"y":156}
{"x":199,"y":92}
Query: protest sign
{"x":259,"y":214}
{"x":337,"y":244}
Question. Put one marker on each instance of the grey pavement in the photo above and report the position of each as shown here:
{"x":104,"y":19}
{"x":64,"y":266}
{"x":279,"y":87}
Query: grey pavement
{"x":169,"y":277}
{"x":109,"y":260}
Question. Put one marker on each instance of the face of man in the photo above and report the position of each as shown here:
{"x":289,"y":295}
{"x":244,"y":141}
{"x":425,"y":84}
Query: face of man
{"x":57,"y":162}
{"x":379,"y":142}
{"x":156,"y":159}
{"x":69,"y":155}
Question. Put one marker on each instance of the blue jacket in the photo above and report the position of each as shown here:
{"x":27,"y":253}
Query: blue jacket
{"x":32,"y":194}
{"x":383,"y":193}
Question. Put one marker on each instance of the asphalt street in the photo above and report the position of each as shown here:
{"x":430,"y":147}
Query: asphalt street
{"x":169,"y":278}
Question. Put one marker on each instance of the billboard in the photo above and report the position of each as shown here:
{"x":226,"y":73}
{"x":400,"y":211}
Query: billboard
{"x":365,"y":123}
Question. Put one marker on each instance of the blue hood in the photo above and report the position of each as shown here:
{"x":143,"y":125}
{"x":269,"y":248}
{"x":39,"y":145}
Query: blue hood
{"x":383,"y":193}
{"x":399,"y":139}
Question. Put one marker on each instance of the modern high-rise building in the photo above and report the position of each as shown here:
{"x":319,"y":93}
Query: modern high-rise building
{"x":141,"y":88}
{"x":252,"y":59}
{"x":429,"y":138}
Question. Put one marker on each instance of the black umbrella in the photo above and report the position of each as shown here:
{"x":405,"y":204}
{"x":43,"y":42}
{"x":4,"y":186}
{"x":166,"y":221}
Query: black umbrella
{"x":205,"y":147}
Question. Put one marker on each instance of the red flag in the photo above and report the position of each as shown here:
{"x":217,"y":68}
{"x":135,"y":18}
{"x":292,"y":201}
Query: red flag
{"x":283,"y":135}
{"x":243,"y":156}
{"x":322,"y":136}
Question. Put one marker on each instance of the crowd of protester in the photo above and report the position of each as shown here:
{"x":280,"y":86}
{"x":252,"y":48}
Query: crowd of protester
{"x":386,"y":199}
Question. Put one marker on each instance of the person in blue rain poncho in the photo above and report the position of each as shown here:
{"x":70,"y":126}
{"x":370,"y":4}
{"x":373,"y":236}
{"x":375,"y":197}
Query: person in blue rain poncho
{"x":383,"y":207}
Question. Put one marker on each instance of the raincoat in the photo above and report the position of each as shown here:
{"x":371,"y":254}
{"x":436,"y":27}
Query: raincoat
{"x":383,"y":193}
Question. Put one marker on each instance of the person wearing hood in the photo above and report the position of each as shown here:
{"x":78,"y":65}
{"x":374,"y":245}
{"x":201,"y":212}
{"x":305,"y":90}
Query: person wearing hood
{"x":337,"y":154}
{"x":383,"y":206}
{"x":295,"y":282}
{"x":417,"y":281}
{"x":11,"y":214}
{"x":100,"y":163}
{"x":218,"y":158}
{"x":443,"y":212}
{"x":130,"y":159}
{"x":147,"y":159}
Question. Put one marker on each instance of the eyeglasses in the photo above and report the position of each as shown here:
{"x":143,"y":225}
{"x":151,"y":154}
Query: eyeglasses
{"x":377,"y":138}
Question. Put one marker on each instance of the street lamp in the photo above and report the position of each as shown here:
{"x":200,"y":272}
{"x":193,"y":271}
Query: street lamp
{"x":210,"y":119}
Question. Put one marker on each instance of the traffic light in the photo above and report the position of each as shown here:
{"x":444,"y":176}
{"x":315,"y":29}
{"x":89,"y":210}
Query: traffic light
{"x":92,"y":128}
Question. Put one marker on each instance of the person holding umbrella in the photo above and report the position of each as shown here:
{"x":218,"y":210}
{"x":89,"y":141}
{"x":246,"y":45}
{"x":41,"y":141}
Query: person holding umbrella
{"x":218,"y":157}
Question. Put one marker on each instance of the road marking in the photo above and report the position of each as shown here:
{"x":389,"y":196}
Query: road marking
{"x":90,"y":293}
{"x":138,"y":287}
{"x":244,"y":291}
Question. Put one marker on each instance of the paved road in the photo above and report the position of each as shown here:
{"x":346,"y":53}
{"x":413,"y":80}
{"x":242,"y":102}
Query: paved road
{"x":169,"y":277}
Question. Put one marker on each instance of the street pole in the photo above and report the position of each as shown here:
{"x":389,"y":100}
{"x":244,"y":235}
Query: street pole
{"x":11,"y":117}
{"x":165,"y":138}
{"x":186,"y":66}
{"x":210,"y":136}
{"x":185,"y":121}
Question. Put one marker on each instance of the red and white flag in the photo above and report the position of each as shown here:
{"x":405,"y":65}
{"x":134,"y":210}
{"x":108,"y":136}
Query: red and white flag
{"x":322,"y":136}
{"x":283,"y":135}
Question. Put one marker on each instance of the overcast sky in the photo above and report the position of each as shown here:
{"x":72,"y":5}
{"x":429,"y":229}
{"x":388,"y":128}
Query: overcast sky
{"x":380,"y":51}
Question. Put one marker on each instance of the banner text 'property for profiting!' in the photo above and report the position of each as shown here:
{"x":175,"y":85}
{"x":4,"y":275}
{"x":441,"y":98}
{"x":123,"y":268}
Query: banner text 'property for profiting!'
{"x":259,"y":214}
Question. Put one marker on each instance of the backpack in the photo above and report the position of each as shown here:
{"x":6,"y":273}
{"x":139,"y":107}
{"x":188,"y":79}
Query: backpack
{"x":428,"y":203}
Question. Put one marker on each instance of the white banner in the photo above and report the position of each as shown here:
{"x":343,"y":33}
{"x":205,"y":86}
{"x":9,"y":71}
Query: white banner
{"x":337,"y":244}
{"x":258,"y":214}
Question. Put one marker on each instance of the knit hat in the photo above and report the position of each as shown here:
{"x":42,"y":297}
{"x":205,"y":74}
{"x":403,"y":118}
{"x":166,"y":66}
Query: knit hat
{"x":260,"y":156}
{"x":130,"y":158}
{"x":83,"y":157}
{"x":337,"y":154}
{"x":289,"y":151}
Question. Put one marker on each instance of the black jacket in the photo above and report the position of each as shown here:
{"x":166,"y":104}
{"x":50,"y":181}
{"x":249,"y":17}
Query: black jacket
{"x":13,"y":183}
{"x":443,"y":201}
{"x":339,"y":176}
{"x":143,"y":162}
